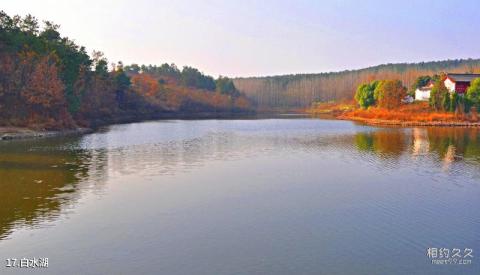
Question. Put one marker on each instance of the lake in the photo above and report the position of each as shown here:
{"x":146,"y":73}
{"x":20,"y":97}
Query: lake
{"x":254,"y":196}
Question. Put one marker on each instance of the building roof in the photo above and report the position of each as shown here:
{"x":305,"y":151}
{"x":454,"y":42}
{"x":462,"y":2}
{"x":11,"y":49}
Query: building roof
{"x":427,"y":87}
{"x":463,"y":77}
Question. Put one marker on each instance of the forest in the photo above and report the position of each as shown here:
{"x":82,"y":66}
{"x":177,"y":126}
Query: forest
{"x":301,"y":90}
{"x":47,"y":81}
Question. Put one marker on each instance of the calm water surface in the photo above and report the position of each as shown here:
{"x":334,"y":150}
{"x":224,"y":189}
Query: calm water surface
{"x":268,"y":196}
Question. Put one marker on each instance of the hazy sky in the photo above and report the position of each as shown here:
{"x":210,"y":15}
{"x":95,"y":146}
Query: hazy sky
{"x":247,"y":38}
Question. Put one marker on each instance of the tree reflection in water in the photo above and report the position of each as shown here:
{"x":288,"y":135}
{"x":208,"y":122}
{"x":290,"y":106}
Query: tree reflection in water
{"x":37,"y":181}
{"x":448,"y":144}
{"x":384,"y":142}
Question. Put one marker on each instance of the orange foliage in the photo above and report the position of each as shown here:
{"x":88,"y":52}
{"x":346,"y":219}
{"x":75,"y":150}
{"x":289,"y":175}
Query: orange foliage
{"x":31,"y":92}
{"x":144,"y":84}
{"x":390,"y":93}
{"x":44,"y":88}
{"x":242,"y":103}
{"x":174,"y":97}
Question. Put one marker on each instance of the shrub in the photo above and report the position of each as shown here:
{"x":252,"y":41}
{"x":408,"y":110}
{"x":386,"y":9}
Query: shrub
{"x":438,"y":96}
{"x":454,"y":102}
{"x":389,"y":93}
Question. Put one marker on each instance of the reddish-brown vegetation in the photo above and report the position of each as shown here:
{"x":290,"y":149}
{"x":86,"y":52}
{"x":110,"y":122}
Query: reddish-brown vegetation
{"x":32,"y":92}
{"x":418,"y":113}
{"x":174,"y":97}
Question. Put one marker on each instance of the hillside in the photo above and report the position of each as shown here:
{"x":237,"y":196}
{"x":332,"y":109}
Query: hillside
{"x":300,"y":90}
{"x":47,"y":81}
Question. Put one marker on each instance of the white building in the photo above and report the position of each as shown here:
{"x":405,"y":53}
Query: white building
{"x":423,"y":93}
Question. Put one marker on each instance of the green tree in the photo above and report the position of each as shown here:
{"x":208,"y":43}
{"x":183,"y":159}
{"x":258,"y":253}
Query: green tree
{"x":122,"y":81}
{"x":192,"y":77}
{"x":100,"y":64}
{"x":454,"y":102}
{"x":225,"y":86}
{"x":29,"y":24}
{"x":50,"y":32}
{"x":133,"y":69}
{"x":446,"y":102}
{"x":365,"y":94}
{"x":473,"y":94}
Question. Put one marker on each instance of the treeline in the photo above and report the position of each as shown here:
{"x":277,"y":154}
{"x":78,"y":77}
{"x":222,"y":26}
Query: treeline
{"x":50,"y":82}
{"x":188,"y":77}
{"x":301,"y":90}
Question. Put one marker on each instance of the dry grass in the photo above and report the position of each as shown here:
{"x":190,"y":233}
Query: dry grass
{"x":418,"y":113}
{"x":335,"y":108}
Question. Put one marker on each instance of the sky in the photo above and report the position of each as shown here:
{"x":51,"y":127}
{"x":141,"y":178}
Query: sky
{"x":258,"y":38}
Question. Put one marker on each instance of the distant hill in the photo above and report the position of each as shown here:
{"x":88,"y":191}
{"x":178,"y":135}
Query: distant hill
{"x":300,"y":90}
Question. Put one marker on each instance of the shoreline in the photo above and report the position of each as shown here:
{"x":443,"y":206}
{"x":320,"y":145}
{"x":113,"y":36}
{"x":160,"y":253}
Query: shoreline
{"x":386,"y":122}
{"x":418,"y":114}
{"x":8,"y":133}
{"x":20,"y":133}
